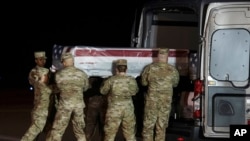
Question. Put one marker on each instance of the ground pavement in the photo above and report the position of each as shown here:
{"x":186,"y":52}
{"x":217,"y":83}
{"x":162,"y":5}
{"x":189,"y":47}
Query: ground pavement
{"x":15,"y":108}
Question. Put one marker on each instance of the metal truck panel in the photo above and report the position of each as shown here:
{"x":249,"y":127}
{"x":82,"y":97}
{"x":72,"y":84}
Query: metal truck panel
{"x":225,"y":67}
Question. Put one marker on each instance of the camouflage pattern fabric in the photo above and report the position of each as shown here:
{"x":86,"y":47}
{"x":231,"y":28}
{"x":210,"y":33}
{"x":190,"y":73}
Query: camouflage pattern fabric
{"x":160,"y":79}
{"x":72,"y":82}
{"x":34,"y":75}
{"x":120,"y":110}
{"x":41,"y":104}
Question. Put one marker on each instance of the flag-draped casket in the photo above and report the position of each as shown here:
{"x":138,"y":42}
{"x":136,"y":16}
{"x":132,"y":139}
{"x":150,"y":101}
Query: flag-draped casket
{"x":99,"y":61}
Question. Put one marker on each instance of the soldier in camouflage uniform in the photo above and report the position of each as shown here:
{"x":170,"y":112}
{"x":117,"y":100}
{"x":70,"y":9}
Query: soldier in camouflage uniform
{"x":72,"y":83}
{"x":38,"y":78}
{"x":160,"y":77}
{"x":120,"y":88}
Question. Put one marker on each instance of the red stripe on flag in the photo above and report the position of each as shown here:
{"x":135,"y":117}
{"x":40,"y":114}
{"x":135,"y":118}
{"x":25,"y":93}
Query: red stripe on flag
{"x":127,"y":53}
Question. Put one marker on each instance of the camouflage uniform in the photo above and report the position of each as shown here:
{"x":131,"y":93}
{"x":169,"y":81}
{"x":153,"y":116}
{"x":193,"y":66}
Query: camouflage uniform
{"x":120,"y":110}
{"x":72,"y":82}
{"x":41,"y":103}
{"x":160,"y":78}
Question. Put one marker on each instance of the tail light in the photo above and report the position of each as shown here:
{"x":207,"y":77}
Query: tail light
{"x":197,"y":87}
{"x":197,"y":93}
{"x":180,"y":139}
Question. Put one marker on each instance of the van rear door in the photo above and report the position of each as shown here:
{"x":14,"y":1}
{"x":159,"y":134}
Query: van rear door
{"x":225,"y":68}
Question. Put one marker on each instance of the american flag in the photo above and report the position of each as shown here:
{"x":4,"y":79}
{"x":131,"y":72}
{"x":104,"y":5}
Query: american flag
{"x":58,"y":50}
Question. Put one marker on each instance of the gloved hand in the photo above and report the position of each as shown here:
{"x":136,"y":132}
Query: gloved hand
{"x":53,"y":69}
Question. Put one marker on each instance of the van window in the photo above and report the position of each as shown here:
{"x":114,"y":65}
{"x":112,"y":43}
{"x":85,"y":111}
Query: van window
{"x":229,"y":52}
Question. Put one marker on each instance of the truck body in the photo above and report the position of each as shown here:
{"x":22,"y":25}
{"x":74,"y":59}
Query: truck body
{"x":224,"y":68}
{"x":217,"y":33}
{"x":209,"y":43}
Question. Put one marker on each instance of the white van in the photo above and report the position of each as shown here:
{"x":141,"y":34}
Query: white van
{"x":224,"y":70}
{"x":215,"y":93}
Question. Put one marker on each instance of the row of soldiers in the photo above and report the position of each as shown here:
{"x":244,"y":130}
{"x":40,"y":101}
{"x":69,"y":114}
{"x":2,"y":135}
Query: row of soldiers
{"x":71,"y":84}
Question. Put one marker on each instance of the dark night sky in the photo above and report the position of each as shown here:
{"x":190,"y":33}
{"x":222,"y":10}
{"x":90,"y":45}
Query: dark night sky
{"x":38,"y":26}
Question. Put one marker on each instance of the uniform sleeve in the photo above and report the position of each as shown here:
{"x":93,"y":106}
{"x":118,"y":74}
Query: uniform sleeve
{"x":43,"y":75}
{"x":58,"y":79}
{"x":144,"y":76}
{"x":44,"y":79}
{"x":133,"y":86}
{"x":105,"y":87}
{"x":176,"y":77}
{"x":33,"y":77}
{"x":86,"y":82}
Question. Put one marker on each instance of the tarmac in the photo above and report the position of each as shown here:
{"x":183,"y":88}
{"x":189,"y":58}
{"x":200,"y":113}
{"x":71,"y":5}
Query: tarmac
{"x":15,"y":117}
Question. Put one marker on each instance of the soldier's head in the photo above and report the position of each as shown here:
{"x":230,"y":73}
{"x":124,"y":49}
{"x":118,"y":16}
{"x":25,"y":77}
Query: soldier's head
{"x":163,"y":54}
{"x":121,"y":65}
{"x":40,"y":58}
{"x":67,"y":59}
